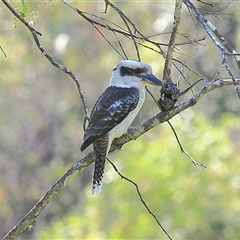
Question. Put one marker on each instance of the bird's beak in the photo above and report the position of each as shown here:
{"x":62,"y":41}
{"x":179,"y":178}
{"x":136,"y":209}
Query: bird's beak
{"x":151,"y":79}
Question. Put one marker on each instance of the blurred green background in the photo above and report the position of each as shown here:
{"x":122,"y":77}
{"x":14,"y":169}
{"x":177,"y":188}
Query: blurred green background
{"x":41,"y":129}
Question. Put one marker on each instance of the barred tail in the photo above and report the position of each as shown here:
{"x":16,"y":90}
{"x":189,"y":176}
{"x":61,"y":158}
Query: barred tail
{"x":100,"y":147}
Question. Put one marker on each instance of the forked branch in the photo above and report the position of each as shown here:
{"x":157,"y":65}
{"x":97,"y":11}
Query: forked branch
{"x":29,"y":219}
{"x":35,"y":35}
{"x":132,"y":134}
{"x":219,"y":41}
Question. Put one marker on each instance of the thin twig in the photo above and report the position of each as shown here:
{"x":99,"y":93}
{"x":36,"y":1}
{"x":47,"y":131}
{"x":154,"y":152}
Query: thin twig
{"x":125,"y":20}
{"x":190,"y":87}
{"x":224,"y":42}
{"x":209,"y":4}
{"x":3,"y":51}
{"x":120,"y":45}
{"x":140,"y":196}
{"x":49,"y":57}
{"x":120,"y":30}
{"x":21,"y":19}
{"x":196,"y":163}
{"x":175,"y":60}
{"x":132,"y":134}
{"x":93,"y":22}
{"x":218,"y":40}
{"x":216,"y":13}
{"x":115,"y":49}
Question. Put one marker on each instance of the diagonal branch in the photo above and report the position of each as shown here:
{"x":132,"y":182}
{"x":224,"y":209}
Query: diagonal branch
{"x":132,"y":134}
{"x":29,"y":219}
{"x":218,"y":40}
{"x":141,"y":198}
{"x":125,"y":20}
{"x":196,"y":163}
{"x":136,"y":132}
{"x":48,"y":56}
{"x":128,"y":34}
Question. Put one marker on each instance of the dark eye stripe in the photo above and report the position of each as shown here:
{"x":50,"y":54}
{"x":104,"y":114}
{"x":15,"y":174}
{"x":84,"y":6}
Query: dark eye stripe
{"x":131,"y":71}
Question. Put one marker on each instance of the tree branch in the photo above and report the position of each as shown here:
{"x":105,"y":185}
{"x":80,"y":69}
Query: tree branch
{"x":126,"y":20}
{"x":49,"y":57}
{"x":29,"y":219}
{"x":172,"y":42}
{"x":132,"y":134}
{"x":141,"y":198}
{"x":218,"y":40}
{"x":136,"y":35}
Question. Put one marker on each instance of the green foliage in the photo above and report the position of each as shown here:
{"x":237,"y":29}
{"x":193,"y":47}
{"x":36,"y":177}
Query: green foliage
{"x":41,"y":129}
{"x":25,"y":12}
{"x":191,"y":202}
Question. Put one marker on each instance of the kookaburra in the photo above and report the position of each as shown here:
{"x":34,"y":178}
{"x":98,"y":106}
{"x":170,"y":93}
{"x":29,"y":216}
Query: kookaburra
{"x":115,"y":110}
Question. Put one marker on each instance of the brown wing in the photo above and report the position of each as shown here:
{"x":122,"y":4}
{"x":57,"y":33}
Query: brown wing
{"x":110,"y":109}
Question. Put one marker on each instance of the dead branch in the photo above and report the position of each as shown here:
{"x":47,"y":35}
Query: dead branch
{"x":140,"y":196}
{"x":132,"y":134}
{"x":172,"y":42}
{"x":49,"y":57}
{"x":218,"y":40}
{"x":126,"y":20}
{"x":29,"y":219}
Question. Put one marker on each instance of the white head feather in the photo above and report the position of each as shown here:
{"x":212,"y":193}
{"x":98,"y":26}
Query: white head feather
{"x":129,"y":78}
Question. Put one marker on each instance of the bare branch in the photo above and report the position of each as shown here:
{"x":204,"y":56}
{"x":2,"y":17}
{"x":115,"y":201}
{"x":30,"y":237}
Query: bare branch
{"x":92,"y":22}
{"x":21,"y":19}
{"x":220,"y":41}
{"x":140,"y":196}
{"x":132,"y":134}
{"x":49,"y":57}
{"x":125,"y":20}
{"x":3,"y":51}
{"x":196,"y":163}
{"x":169,"y":91}
{"x":118,"y":30}
{"x":205,"y":3}
{"x":136,"y":132}
{"x":29,"y":218}
{"x":224,"y":42}
{"x":169,"y":57}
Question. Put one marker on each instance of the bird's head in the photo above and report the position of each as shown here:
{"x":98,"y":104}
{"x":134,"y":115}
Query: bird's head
{"x":130,"y":73}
